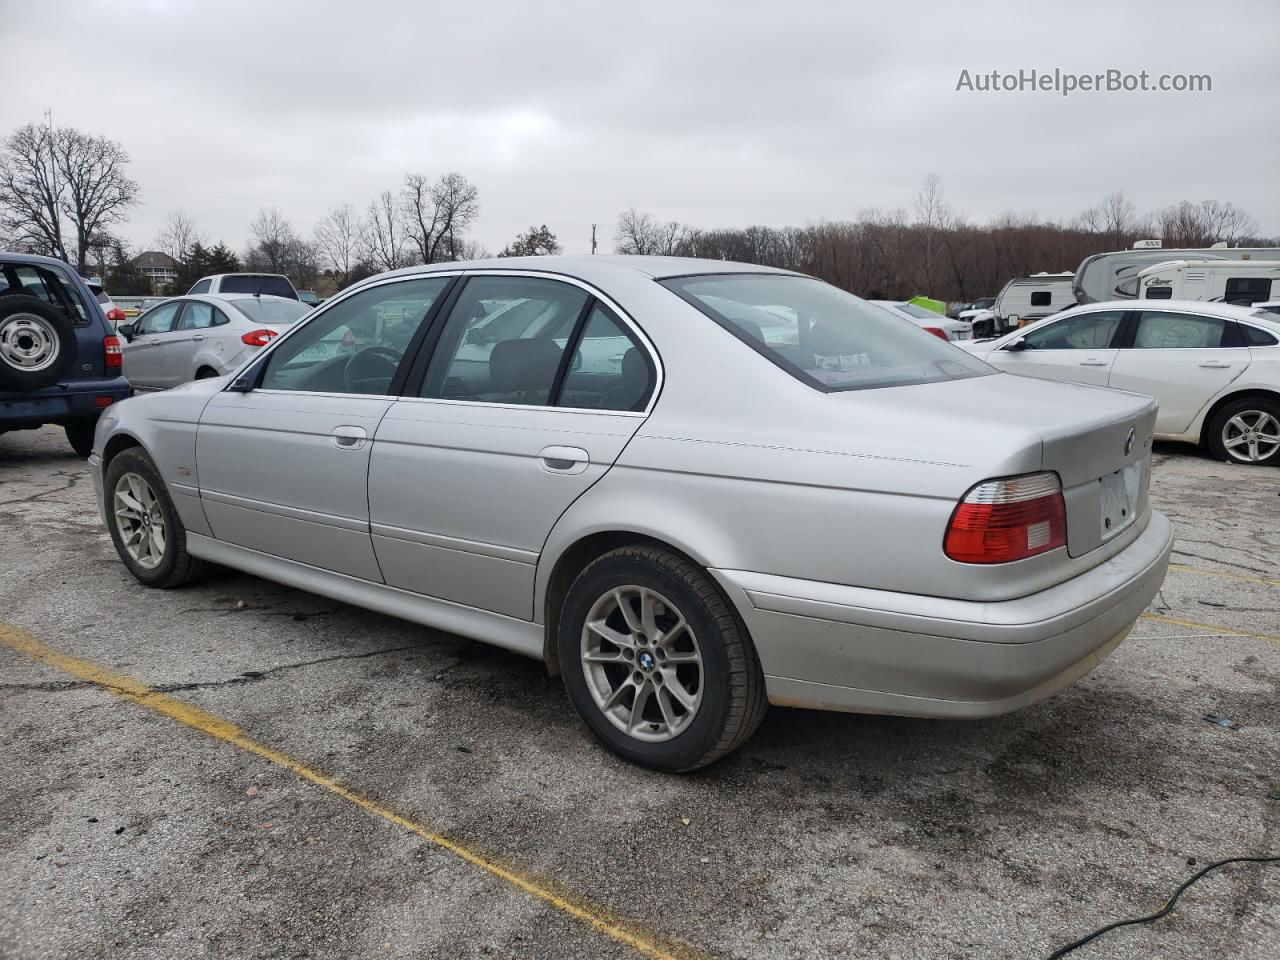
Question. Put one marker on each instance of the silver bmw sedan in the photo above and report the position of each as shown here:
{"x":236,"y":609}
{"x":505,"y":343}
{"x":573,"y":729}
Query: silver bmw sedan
{"x":692,"y":488}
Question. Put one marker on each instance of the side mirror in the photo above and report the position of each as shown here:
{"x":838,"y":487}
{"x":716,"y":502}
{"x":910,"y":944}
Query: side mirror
{"x":1017,"y":345}
{"x":127,"y":330}
{"x":248,"y":379}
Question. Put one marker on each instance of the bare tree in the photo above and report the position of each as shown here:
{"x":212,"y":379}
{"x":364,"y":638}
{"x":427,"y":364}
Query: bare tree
{"x":272,"y":237}
{"x":30,"y":194}
{"x":337,"y":240}
{"x":382,"y":234}
{"x":95,"y":190}
{"x":640,"y":234}
{"x":178,"y":235}
{"x":438,"y":214}
{"x":932,"y":215}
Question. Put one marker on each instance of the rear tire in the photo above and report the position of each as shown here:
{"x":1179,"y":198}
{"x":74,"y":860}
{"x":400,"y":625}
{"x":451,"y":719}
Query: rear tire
{"x":1246,"y":431}
{"x":207,"y":373}
{"x":144,"y":524}
{"x":665,"y":675}
{"x":80,"y":435}
{"x":37,"y":344}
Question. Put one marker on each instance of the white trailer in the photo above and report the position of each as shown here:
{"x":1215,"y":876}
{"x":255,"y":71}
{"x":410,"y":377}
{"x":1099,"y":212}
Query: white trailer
{"x":1224,"y":281}
{"x":1114,"y":275}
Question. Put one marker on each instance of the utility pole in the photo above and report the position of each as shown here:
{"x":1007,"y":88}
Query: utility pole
{"x":53,"y":174}
{"x":593,"y":239}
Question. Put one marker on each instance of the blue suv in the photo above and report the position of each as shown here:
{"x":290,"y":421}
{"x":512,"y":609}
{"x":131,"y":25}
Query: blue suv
{"x":60,"y":362}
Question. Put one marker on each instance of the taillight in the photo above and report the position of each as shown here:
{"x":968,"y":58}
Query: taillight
{"x":115,"y":315}
{"x":259,"y":338}
{"x":937,"y":332}
{"x":111,"y":351}
{"x":1011,"y":519}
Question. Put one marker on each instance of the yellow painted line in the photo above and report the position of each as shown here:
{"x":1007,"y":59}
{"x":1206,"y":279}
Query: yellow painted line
{"x":1180,"y":568}
{"x":138,"y":693}
{"x":1212,"y":627}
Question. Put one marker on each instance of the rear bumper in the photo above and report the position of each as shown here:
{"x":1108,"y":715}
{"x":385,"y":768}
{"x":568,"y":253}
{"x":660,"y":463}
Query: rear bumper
{"x":834,"y":647}
{"x":59,"y":404}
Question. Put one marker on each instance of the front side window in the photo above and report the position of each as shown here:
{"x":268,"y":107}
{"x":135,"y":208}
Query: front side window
{"x":821,"y":335}
{"x":1165,"y":330}
{"x":160,"y":319}
{"x":356,"y":345}
{"x":197,"y":315}
{"x":504,"y":341}
{"x":1084,"y":331}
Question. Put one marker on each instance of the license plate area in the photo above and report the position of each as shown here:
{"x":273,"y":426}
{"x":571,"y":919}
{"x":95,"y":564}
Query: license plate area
{"x":1120,"y":493}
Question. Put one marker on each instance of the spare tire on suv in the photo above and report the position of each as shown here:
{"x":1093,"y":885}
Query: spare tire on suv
{"x":37,"y":343}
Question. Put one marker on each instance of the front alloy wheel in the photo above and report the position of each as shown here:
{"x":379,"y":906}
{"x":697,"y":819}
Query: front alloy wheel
{"x":139,"y":520}
{"x":642,"y":663}
{"x":144,"y":524}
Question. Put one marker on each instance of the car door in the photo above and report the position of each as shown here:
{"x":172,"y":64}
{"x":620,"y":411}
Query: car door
{"x":1180,"y":359}
{"x":500,"y":435}
{"x":144,"y":353}
{"x":283,"y":454}
{"x":177,"y":355}
{"x":1079,"y":346}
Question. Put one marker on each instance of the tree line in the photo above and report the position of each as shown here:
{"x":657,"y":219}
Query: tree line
{"x":65,"y":193}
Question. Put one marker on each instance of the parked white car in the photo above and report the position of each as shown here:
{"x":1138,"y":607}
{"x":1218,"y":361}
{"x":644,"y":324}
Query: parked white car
{"x":1214,"y":368}
{"x":935,"y":323}
{"x":191,"y":338}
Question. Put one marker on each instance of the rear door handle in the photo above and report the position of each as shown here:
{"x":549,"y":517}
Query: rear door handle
{"x":348,"y":438}
{"x":198,"y":336}
{"x":1216,"y":364}
{"x":566,"y":460}
{"x":1091,"y":362}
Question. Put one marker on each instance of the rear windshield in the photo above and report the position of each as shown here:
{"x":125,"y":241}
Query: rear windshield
{"x":821,"y":335}
{"x":268,"y":284}
{"x":273,"y":310}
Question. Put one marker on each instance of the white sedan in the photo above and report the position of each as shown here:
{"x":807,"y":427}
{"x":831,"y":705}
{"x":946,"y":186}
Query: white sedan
{"x":1214,"y":368}
{"x":193,"y":337}
{"x":935,"y":323}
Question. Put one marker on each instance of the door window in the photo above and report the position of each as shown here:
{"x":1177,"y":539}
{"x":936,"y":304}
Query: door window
{"x":160,"y":319}
{"x":1166,"y":330}
{"x":197,"y":315}
{"x":609,"y":369}
{"x":356,"y":345}
{"x":504,"y":341}
{"x":1084,"y":331}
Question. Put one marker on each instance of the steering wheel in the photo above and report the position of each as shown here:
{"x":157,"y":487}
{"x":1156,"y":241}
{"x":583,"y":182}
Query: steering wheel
{"x":364,"y":365}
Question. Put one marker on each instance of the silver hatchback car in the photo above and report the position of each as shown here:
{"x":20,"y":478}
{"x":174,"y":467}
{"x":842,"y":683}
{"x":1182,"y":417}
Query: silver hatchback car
{"x":692,"y":488}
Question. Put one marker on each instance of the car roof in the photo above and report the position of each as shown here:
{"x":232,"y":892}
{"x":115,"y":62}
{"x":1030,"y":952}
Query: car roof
{"x":598,"y":267}
{"x":1209,"y":308}
{"x":35,"y":260}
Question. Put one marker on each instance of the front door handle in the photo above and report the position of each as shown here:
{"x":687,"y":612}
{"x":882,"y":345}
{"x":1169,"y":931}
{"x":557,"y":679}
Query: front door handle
{"x":1216,"y":364}
{"x":348,"y":438}
{"x":1091,"y":362}
{"x":198,"y":336}
{"x":567,"y":460}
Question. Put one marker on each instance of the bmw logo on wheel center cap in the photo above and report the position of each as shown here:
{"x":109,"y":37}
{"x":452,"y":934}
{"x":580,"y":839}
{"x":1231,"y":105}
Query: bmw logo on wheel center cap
{"x":645,"y":659}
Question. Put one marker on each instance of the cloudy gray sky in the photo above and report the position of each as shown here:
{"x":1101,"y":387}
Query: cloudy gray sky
{"x":711,"y":112}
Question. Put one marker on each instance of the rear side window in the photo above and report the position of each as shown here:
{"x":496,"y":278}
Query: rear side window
{"x":1255,"y":337}
{"x":609,"y":369}
{"x":504,"y":341}
{"x":197,"y":315}
{"x":266,"y":285}
{"x":200,"y":286}
{"x":1166,"y":330}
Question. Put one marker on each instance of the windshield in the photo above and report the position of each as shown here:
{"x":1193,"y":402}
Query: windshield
{"x":265,"y":283}
{"x":821,"y":335}
{"x":273,"y":310}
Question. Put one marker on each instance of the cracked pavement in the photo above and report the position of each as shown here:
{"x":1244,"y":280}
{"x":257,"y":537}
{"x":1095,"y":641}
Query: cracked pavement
{"x":126,"y":834}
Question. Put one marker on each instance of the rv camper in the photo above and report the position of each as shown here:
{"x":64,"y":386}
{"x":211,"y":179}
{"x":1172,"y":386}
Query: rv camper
{"x":1245,"y":282}
{"x":1114,"y":276}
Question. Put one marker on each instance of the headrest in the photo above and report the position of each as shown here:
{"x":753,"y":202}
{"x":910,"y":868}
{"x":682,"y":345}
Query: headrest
{"x":519,"y":365}
{"x":635,"y":369}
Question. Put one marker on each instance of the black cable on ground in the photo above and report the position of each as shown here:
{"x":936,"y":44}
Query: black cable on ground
{"x":1063,"y":951}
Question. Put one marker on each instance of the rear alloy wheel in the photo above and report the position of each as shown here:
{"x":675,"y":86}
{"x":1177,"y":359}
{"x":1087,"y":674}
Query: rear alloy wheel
{"x":1247,"y":431}
{"x":144,"y":524}
{"x":656,"y":662}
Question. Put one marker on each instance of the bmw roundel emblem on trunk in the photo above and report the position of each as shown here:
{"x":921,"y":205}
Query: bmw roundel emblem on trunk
{"x":1128,"y":442}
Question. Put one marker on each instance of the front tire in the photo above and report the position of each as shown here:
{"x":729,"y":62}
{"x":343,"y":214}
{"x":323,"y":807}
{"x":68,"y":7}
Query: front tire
{"x":1246,"y":431}
{"x":656,"y":662}
{"x":144,"y":524}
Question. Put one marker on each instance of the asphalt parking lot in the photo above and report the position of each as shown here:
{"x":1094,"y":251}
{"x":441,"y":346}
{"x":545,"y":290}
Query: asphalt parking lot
{"x":237,"y":769}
